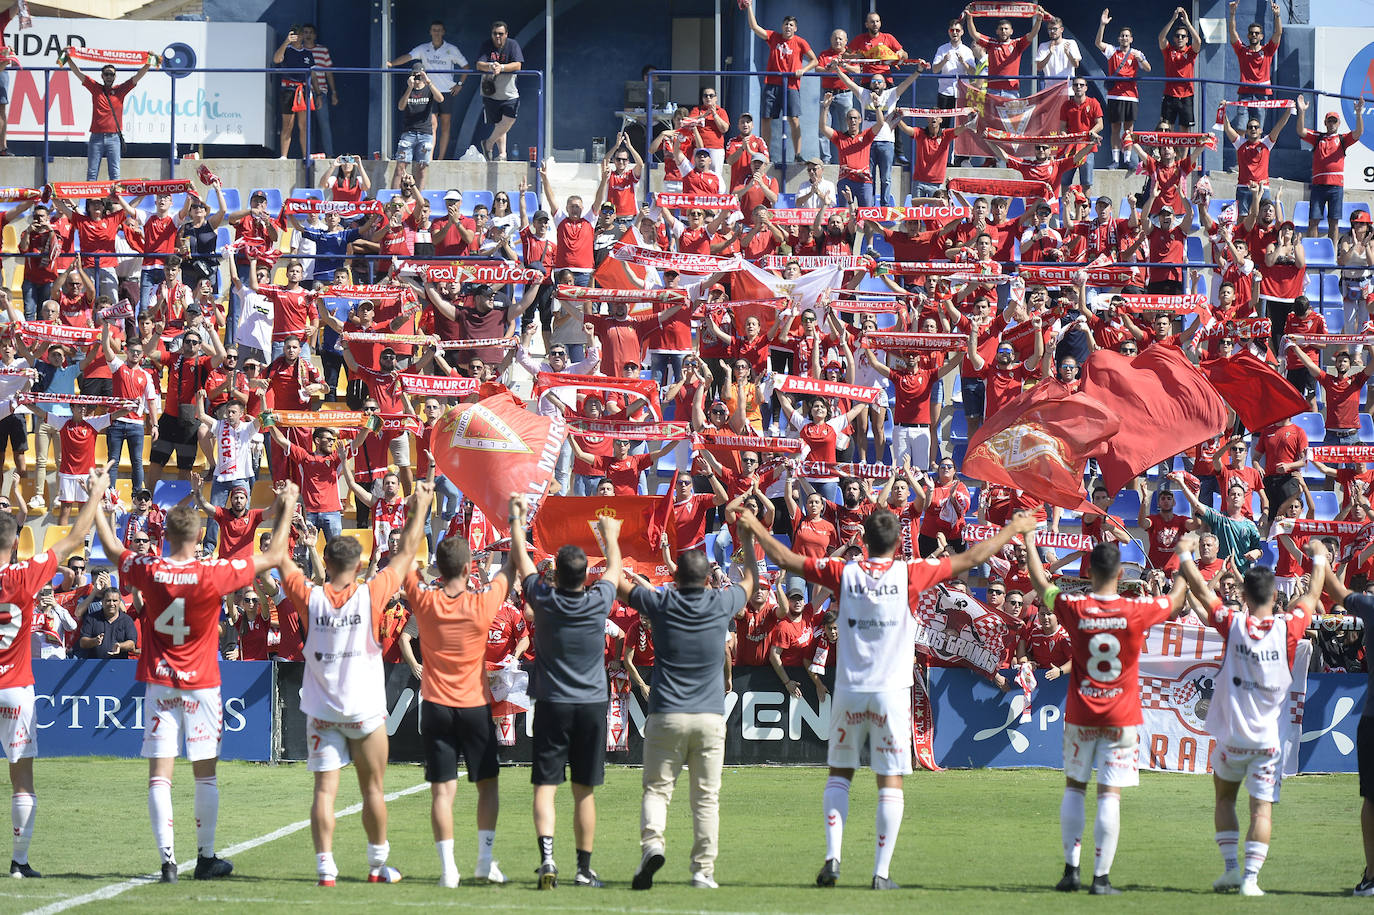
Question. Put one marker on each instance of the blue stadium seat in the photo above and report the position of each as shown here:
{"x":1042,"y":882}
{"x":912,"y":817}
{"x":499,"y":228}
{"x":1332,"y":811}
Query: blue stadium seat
{"x":1320,"y":252}
{"x":1193,"y":250}
{"x":1016,"y":207}
{"x":223,"y":236}
{"x":1269,"y":554}
{"x":1325,"y":503}
{"x":1301,"y":213}
{"x":437,"y":207}
{"x":1216,"y":205}
{"x":1312,"y":424}
{"x":1335,"y":319}
{"x":386,"y":193}
{"x":1323,"y":289}
{"x":1133,"y":552}
{"x":531,"y":202}
{"x":1350,"y":208}
{"x":886,"y":320}
{"x":169,"y":492}
{"x":306,"y":193}
{"x":1123,"y":209}
{"x":883,"y":248}
{"x":274,"y":198}
{"x":958,"y":424}
{"x":958,"y":451}
{"x":232,"y":201}
{"x":1126,"y":504}
{"x":786,"y":202}
{"x":472,"y":198}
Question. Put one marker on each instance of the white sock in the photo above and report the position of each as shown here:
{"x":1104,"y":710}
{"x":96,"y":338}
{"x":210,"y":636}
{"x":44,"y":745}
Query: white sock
{"x":160,"y":813}
{"x":1107,"y":831}
{"x":1227,"y":840}
{"x":1072,"y":818}
{"x":207,"y":815}
{"x":486,"y":840}
{"x":835,"y":800}
{"x":1255,"y":853}
{"x":888,"y":821}
{"x":445,"y":849}
{"x":376,"y":854}
{"x":325,"y":866}
{"x":23,"y":806}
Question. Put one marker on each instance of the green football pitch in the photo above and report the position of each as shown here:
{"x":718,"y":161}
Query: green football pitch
{"x":970,"y":841}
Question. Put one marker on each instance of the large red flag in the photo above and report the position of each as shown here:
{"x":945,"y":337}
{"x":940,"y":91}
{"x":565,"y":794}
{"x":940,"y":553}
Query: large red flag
{"x":496,"y":447}
{"x":1040,"y":442}
{"x":571,"y":520}
{"x":1259,"y":395}
{"x":1164,"y":403}
{"x":1036,"y":114}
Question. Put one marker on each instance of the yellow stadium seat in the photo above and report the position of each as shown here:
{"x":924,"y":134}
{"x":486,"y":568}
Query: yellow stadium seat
{"x":125,"y":487}
{"x":11,"y":239}
{"x":26,"y":542}
{"x":319,"y":542}
{"x":363,"y":536}
{"x":54,"y":533}
{"x":262,"y":494}
{"x":102,"y":451}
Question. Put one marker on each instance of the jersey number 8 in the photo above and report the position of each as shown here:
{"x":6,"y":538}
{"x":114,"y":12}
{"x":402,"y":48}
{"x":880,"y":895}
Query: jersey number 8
{"x":1104,"y":663}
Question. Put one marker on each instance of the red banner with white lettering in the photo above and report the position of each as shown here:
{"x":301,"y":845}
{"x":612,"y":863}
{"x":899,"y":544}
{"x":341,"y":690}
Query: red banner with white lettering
{"x":818,"y":387}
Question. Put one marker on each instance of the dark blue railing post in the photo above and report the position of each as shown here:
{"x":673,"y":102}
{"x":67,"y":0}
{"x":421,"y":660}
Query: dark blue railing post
{"x":649,"y":134}
{"x":47,"y":106}
{"x":539,"y":141}
{"x":172,"y":157}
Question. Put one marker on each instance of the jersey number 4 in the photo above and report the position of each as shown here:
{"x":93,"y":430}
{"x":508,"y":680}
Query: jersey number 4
{"x":1104,"y":661}
{"x":172,"y":622}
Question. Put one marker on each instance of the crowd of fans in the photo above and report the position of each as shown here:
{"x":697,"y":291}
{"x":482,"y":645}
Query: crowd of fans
{"x":202,"y":341}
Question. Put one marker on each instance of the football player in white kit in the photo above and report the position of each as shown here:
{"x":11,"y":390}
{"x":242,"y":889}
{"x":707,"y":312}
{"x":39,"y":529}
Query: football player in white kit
{"x":874,"y":657}
{"x":344,"y":690}
{"x":1251,"y":696}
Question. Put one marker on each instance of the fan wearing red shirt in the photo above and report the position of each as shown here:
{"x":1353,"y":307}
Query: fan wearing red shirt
{"x":691,"y":511}
{"x":852,"y":147}
{"x":107,"y":116}
{"x":238,"y":524}
{"x":621,"y":468}
{"x":96,"y":230}
{"x":1283,"y":447}
{"x":639,"y":652}
{"x":790,"y":642}
{"x":933,"y":142}
{"x":1180,"y":50}
{"x":574,"y":234}
{"x":1045,"y":644}
{"x":788,"y":52}
{"x":1301,"y":321}
{"x":1103,"y":709}
{"x":1004,"y":53}
{"x":1124,"y":64}
{"x":740,"y":151}
{"x":621,"y":177}
{"x":1081,"y":113}
{"x":1255,"y":56}
{"x":295,"y":312}
{"x":1164,"y":527}
{"x":1328,"y":165}
{"x":179,"y":639}
{"x":20,"y":583}
{"x":812,"y":535}
{"x":1004,"y":378}
{"x":715,"y":124}
{"x":1342,"y":394}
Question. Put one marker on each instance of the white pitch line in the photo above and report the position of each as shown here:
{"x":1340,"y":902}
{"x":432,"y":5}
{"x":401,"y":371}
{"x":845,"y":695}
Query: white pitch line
{"x":115,"y":889}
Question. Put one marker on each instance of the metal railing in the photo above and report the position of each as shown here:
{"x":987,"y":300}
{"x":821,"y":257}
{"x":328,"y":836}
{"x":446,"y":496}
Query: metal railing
{"x":651,"y":114}
{"x":270,"y":74}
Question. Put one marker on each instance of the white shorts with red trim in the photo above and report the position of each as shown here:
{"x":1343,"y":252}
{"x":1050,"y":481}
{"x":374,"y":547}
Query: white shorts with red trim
{"x":327,"y":741}
{"x":176,"y":716}
{"x":71,"y":487}
{"x":882,"y":719}
{"x":1113,"y":752}
{"x":1258,"y":767}
{"x":18,"y":731}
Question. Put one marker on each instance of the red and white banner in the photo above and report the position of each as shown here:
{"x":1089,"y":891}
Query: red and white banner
{"x":372,"y":291}
{"x":1176,"y":140}
{"x":17,"y":194}
{"x":802,"y":216}
{"x":1178,"y":666}
{"x":903,"y":214}
{"x":295,"y":205}
{"x":818,"y":387}
{"x":1342,"y":454}
{"x":866,"y":306}
{"x":1036,"y":114}
{"x":703,"y":201}
{"x":950,"y":269}
{"x":749,"y":443}
{"x":88,"y":400}
{"x":680,"y":261}
{"x":568,"y":387}
{"x":1107,"y":276}
{"x":922,"y":721}
{"x":617,"y":712}
{"x":1318,"y":527}
{"x":1250,"y":327}
{"x":1001,"y":187}
{"x":630,"y":430}
{"x":934,"y":112}
{"x":122,"y":310}
{"x":74,"y":190}
{"x":955,"y":628}
{"x":1189,"y":304}
{"x":60,"y":333}
{"x":365,"y":336}
{"x":977,"y":533}
{"x":140,"y":188}
{"x":572,"y":293}
{"x":438,"y":385}
{"x":917,"y":343}
{"x":1332,"y":339}
{"x":1043,"y":139}
{"x":821,"y":469}
{"x":497,"y":272}
{"x":565,"y":520}
{"x":480,"y":343}
{"x":993,"y":9}
{"x":818,"y":261}
{"x":104,"y":56}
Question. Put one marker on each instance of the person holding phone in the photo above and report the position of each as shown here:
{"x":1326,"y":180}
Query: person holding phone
{"x":295,"y":60}
{"x":346,"y":180}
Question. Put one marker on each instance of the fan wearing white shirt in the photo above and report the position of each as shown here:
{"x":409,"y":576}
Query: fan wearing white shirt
{"x":1059,"y":57}
{"x":228,"y":441}
{"x":953,"y":59}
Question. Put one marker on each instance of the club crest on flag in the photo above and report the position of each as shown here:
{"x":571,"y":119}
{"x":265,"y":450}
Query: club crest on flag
{"x":1188,"y":695}
{"x":1021,"y":445}
{"x":1014,"y":113}
{"x":479,"y":429}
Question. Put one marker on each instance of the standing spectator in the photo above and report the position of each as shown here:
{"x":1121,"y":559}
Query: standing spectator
{"x":107,"y":632}
{"x":419,"y":107}
{"x":500,"y":58}
{"x":347,"y":181}
{"x":132,"y":382}
{"x":853,"y":148}
{"x":740,"y":150}
{"x":1255,"y":57}
{"x":715,"y":124}
{"x":573,"y":231}
{"x":1252,"y":158}
{"x":933,"y":143}
{"x":97,"y":228}
{"x":953,"y":59}
{"x":816,"y":190}
{"x":1180,"y":51}
{"x":44,"y":239}
{"x":318,"y":472}
{"x":686,"y":720}
{"x":1081,"y":114}
{"x":872,"y":42}
{"x":293,"y":98}
{"x":1004,"y":52}
{"x":842,"y":99}
{"x":1058,"y":57}
{"x":1354,"y":252}
{"x":788,"y":52}
{"x":107,"y":117}
{"x":326,"y":93}
{"x":569,"y":690}
{"x":1328,"y":165}
{"x":51,"y":625}
{"x":1124,"y":62}
{"x":440,"y":57}
{"x":1284,"y":448}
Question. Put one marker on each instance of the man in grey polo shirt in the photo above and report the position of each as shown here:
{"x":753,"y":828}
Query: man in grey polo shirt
{"x":686,"y":722}
{"x":569,"y":690}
